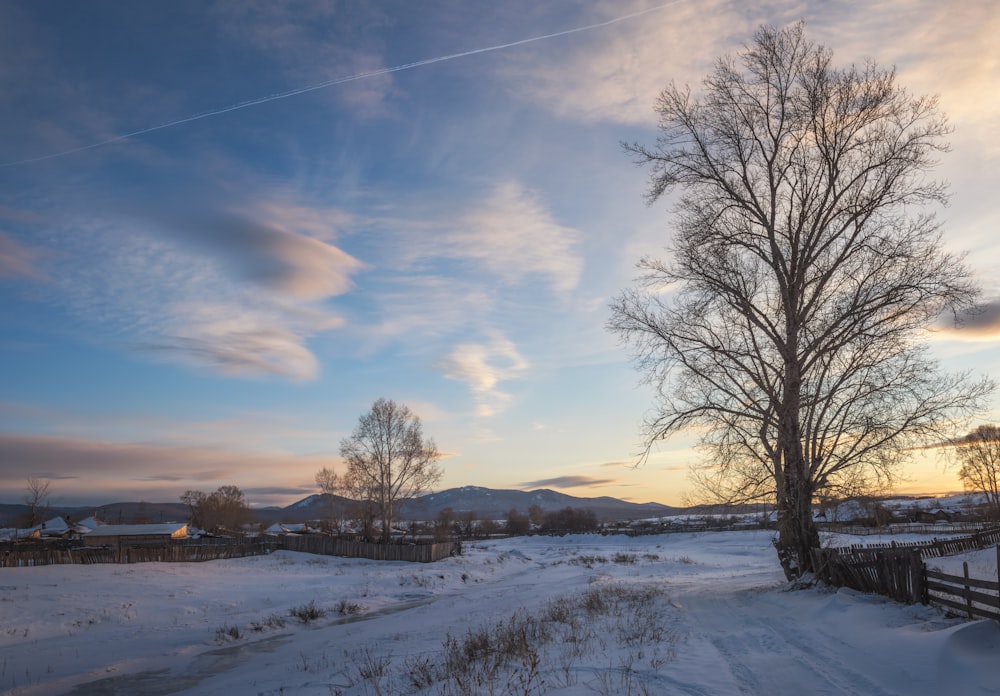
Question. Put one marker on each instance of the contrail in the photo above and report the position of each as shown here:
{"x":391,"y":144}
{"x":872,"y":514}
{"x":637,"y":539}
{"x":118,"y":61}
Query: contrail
{"x":339,"y":81}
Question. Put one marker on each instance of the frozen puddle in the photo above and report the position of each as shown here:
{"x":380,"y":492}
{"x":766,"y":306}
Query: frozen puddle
{"x":160,"y":682}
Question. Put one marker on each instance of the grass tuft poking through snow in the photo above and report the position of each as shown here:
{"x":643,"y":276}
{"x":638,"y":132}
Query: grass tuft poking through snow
{"x":307,"y":613}
{"x":532,"y":652}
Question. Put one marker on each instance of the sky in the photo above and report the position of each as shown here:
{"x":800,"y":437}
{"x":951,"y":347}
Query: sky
{"x":227,"y":228}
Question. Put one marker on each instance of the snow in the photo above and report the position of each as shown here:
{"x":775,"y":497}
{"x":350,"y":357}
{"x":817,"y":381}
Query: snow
{"x":306,"y":502}
{"x":715,"y":617}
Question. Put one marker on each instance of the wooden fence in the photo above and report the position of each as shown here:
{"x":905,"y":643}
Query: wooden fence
{"x":964,"y":594}
{"x":898,"y":571}
{"x":936,"y":548}
{"x":333,"y":546}
{"x":968,"y":527}
{"x":197,"y":550}
{"x":894,"y":573}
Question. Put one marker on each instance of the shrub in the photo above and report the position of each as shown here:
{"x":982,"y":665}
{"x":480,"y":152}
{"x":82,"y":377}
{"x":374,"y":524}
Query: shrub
{"x":271,"y":621}
{"x":224,"y":633}
{"x":307,"y":612}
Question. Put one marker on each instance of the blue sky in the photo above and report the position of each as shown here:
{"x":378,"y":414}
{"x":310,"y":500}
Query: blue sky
{"x":218,"y":300}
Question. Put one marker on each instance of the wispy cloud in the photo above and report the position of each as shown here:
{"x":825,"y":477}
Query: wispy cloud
{"x":236,"y":292}
{"x":318,"y":42}
{"x":508,"y":233}
{"x":615,"y":75}
{"x":450,"y":277}
{"x":981,"y":324}
{"x":483,"y":366}
{"x":512,"y":235}
{"x":147,"y":471}
{"x":280,"y":247}
{"x":574,"y":481}
{"x":937,"y":48}
{"x":18,"y":260}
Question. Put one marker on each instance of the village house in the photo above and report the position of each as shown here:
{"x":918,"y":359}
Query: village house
{"x":115,"y":534}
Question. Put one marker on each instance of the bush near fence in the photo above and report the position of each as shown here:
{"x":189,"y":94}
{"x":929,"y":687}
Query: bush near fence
{"x":210,"y":549}
{"x":898,"y":571}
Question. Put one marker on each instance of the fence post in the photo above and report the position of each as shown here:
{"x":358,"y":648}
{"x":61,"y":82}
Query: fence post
{"x":917,"y":578}
{"x":968,"y":590}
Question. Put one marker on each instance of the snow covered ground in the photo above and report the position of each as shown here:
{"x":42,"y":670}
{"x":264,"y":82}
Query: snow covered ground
{"x":700,"y":613}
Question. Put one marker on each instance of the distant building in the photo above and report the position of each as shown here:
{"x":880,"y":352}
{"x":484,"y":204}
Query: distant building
{"x":115,"y":534}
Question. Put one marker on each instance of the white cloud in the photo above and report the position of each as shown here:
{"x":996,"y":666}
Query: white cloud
{"x":483,"y":366}
{"x":513,"y":236}
{"x":436,"y":275}
{"x":509,"y":234}
{"x":614,"y":75}
{"x":938,"y":48}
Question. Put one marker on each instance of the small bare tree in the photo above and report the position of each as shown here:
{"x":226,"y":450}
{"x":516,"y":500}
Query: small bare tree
{"x":331,"y":485}
{"x":802,"y":272}
{"x":978,"y":453}
{"x":37,"y":500}
{"x":388,"y":460}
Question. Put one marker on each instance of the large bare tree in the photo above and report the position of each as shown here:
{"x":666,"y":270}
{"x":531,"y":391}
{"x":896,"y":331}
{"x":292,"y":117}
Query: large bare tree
{"x":978,"y":454}
{"x":803,"y":268}
{"x":389,"y":460}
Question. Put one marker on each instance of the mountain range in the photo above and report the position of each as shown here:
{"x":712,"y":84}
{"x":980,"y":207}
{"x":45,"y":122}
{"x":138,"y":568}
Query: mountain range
{"x":484,"y":503}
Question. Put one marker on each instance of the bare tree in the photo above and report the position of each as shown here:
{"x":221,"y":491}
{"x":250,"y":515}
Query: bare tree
{"x":37,"y":500}
{"x":224,"y":510}
{"x":388,"y":460}
{"x":978,"y":453}
{"x":194,"y":500}
{"x":331,"y":485}
{"x":802,"y":270}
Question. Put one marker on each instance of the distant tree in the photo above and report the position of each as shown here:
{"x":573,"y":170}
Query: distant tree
{"x":978,"y":454}
{"x":37,"y":500}
{"x":465,"y":524}
{"x":570,"y":520}
{"x":443,"y":524}
{"x":487,"y":528}
{"x":804,"y":268}
{"x":194,"y":500}
{"x":362,"y":506}
{"x":142,"y":513}
{"x":536,"y":514}
{"x":224,"y":510}
{"x":331,"y":485}
{"x":517,"y":523}
{"x":389,"y":460}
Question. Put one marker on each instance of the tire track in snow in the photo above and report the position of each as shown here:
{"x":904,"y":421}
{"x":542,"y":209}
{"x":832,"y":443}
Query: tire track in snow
{"x":776,"y":653}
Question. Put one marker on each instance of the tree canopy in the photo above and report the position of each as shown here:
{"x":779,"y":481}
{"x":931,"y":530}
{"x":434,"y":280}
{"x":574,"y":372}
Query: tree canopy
{"x":223,"y":510}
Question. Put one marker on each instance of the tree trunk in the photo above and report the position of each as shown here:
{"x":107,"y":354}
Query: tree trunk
{"x":387,"y":522}
{"x":797,"y":533}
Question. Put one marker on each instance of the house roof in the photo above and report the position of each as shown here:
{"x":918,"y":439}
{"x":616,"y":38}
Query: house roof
{"x":90,"y":522}
{"x":163,"y":529}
